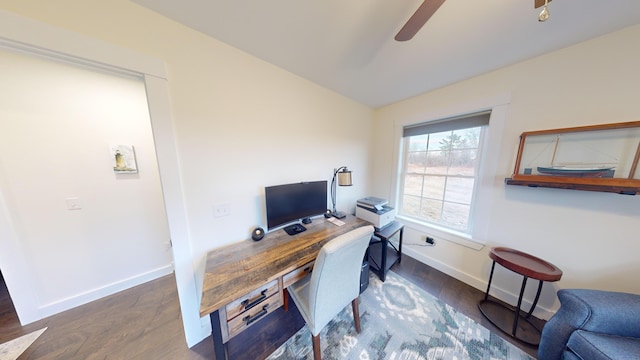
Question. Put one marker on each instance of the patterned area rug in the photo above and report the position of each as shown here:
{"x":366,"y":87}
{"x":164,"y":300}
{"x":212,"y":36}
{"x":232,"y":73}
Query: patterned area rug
{"x":11,"y":350}
{"x":401,"y":321}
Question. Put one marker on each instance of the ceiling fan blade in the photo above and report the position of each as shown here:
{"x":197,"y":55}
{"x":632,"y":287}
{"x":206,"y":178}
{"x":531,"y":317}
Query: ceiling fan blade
{"x":418,"y":19}
{"x":538,"y":3}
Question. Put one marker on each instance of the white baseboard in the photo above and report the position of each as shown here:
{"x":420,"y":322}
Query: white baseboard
{"x":480,"y":284}
{"x":205,"y":328}
{"x":98,"y":293}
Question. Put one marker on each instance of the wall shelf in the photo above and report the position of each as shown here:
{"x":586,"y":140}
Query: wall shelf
{"x":593,"y":158}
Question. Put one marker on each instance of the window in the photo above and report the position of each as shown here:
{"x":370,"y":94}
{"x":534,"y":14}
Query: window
{"x":440,"y":170}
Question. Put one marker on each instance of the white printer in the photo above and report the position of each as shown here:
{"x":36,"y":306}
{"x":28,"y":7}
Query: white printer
{"x":375,"y":211}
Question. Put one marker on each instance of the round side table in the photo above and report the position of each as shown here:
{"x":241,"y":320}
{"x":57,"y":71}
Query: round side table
{"x":528,"y":266}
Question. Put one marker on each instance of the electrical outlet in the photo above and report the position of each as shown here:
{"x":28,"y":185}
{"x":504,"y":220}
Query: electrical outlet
{"x":221,"y":209}
{"x":73,"y":203}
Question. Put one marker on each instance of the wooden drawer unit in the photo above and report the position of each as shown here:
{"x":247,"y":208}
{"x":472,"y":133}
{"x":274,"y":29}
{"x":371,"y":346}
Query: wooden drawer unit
{"x":297,"y":274}
{"x":251,"y":300}
{"x":253,"y":314}
{"x":242,"y":312}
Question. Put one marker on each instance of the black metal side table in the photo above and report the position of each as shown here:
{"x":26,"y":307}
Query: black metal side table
{"x":382,"y":254}
{"x":528,"y":266}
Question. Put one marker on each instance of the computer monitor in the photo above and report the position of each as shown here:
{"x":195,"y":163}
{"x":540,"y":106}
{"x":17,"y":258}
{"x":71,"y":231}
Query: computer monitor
{"x":293,"y":202}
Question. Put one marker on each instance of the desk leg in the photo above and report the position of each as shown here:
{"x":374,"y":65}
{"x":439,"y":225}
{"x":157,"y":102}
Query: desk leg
{"x":383,"y":267}
{"x":400,"y":247}
{"x":219,"y":347}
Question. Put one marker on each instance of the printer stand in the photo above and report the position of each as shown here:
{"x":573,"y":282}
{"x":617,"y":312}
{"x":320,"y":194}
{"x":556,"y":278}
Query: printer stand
{"x":383,"y":254}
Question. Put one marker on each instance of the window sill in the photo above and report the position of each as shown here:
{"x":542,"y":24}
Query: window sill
{"x":441,"y":233}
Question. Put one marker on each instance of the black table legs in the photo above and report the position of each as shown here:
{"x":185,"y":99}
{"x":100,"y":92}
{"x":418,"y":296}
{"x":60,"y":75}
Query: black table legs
{"x":219,"y":347}
{"x":503,"y":325}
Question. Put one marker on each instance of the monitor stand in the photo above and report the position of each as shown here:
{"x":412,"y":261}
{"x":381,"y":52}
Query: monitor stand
{"x":306,"y":220}
{"x":294,"y":229}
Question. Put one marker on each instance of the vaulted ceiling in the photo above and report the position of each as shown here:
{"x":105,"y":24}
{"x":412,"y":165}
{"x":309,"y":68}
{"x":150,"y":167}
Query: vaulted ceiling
{"x":348,"y":45}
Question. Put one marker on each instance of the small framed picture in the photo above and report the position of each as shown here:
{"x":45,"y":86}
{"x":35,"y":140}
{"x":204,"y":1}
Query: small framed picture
{"x":124,"y":159}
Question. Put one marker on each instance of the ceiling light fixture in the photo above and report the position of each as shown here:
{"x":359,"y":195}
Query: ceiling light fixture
{"x":544,"y":14}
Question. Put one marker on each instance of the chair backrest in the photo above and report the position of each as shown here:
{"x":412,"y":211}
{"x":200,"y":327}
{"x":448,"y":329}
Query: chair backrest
{"x":335,"y":280}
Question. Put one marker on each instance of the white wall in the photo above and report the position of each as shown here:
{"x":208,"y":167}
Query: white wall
{"x":591,"y":236}
{"x":57,"y":124}
{"x":241,"y":124}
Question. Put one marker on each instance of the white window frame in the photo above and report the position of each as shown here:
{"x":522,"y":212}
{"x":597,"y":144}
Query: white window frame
{"x":484,"y":189}
{"x":476,"y":177}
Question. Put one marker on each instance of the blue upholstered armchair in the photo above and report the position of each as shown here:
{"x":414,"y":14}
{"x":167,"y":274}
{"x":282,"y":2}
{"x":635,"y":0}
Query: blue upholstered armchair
{"x":593,"y":325}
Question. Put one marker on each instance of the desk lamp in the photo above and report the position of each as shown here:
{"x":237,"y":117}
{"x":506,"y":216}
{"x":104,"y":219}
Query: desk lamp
{"x":344,"y":179}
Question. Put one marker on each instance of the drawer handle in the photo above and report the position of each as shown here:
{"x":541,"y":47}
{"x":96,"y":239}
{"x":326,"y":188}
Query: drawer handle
{"x":249,"y":303}
{"x":249,"y":319}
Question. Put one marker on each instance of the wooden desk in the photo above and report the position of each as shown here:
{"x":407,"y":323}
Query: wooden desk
{"x":235,"y":271}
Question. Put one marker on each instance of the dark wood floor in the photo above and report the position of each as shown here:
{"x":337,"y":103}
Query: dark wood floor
{"x":145,"y":323}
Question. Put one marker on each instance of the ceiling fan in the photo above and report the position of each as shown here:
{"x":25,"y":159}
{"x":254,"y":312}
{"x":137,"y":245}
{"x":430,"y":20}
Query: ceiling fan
{"x":539,"y":3}
{"x":424,"y":13}
{"x":418,"y":19}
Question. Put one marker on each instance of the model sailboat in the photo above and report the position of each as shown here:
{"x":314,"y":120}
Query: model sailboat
{"x":582,"y":170}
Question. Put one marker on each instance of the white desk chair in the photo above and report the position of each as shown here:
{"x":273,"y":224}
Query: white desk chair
{"x":333,"y":283}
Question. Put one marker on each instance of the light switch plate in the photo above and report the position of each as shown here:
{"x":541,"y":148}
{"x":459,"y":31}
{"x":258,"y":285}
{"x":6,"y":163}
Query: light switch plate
{"x":73,"y":203}
{"x":221,"y":209}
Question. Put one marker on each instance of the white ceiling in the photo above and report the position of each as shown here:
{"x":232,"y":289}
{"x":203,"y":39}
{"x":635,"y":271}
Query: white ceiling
{"x":348,"y":45}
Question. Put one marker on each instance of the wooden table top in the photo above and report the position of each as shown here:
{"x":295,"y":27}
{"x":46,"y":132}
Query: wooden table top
{"x":525,"y":264}
{"x":234,"y":270}
{"x":389,"y":230}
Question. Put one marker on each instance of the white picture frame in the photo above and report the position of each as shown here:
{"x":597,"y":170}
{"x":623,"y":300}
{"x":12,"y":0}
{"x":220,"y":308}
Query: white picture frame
{"x":124,"y":159}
